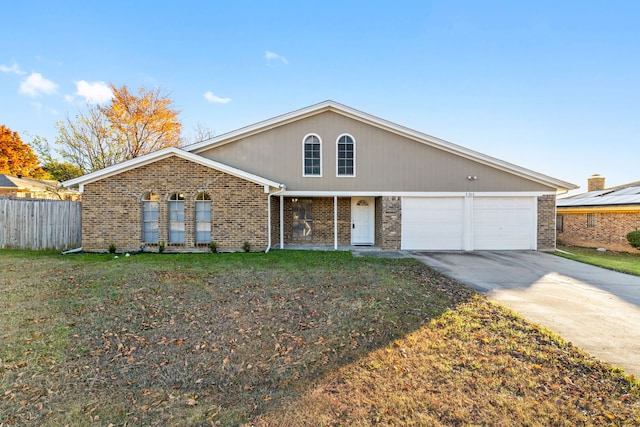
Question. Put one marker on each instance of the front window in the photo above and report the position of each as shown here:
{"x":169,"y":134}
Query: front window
{"x":302,"y":226}
{"x":176,"y":218}
{"x":346,"y":155}
{"x":312,"y":161}
{"x":150,"y":218}
{"x":203,"y":218}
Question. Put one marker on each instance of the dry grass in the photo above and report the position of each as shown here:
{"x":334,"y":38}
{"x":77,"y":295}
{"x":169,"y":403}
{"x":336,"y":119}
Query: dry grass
{"x":286,"y":338}
{"x":476,"y":365}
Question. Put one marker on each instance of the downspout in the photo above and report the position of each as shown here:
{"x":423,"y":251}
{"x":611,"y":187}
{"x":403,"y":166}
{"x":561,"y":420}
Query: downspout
{"x":282,"y":188}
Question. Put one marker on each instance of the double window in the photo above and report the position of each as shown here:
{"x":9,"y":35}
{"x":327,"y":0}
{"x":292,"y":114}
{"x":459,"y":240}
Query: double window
{"x":345,"y":156}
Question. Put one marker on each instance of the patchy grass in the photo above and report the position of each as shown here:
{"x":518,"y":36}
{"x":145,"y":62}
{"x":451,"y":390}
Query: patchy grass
{"x":478,"y":364}
{"x":623,"y":262}
{"x":286,"y":338}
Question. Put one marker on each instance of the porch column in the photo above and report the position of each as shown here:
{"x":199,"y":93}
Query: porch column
{"x":335,"y":222}
{"x":281,"y":222}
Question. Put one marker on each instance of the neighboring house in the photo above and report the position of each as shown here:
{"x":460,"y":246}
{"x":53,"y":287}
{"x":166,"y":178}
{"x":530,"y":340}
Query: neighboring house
{"x":23,"y":187}
{"x":326,"y":175}
{"x":602,"y":217}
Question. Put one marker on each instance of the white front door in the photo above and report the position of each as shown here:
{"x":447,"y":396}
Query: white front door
{"x":362,"y":221}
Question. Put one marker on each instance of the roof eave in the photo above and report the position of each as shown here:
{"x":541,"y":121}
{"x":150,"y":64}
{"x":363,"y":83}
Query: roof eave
{"x":162,"y":154}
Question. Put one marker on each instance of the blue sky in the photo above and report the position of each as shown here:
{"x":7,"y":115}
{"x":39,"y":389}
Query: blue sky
{"x":552,"y":86}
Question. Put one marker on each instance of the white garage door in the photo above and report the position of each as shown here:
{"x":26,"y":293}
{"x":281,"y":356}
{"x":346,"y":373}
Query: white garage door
{"x":432,"y":223}
{"x":504,"y":223}
{"x":472,"y":223}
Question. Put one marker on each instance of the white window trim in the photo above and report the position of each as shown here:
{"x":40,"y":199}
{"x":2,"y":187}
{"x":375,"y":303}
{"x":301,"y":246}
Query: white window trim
{"x":304,"y":174}
{"x":354,"y":156}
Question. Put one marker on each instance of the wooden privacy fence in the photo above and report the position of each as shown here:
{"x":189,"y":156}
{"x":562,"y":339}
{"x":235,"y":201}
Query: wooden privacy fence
{"x":40,"y":224}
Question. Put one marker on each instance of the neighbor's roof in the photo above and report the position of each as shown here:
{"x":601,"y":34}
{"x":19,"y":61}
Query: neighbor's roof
{"x":23,"y":183}
{"x":163,"y":154}
{"x":385,"y":125}
{"x":622,"y":195}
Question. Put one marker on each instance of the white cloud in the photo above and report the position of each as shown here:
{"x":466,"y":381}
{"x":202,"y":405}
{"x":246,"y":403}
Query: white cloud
{"x":14,"y":69}
{"x":209,"y":96}
{"x":35,"y":85}
{"x":272,"y":56}
{"x":95,"y":92}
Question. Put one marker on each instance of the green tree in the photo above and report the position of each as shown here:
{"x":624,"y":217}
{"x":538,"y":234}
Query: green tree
{"x":62,"y":171}
{"x":55,"y":169}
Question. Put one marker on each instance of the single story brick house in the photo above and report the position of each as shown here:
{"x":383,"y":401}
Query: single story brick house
{"x":30,"y":188}
{"x":325,"y":175}
{"x":601,"y":217}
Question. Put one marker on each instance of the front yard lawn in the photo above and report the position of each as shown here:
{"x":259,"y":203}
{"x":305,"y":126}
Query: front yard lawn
{"x":623,"y":262}
{"x":285,"y":338}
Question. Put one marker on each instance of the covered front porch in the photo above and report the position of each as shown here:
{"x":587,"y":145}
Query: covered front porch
{"x":325,"y":222}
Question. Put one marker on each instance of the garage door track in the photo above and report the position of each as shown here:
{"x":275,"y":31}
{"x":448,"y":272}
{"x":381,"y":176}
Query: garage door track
{"x":597,"y":310}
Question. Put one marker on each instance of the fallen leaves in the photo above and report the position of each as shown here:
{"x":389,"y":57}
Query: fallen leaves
{"x":155,"y":344}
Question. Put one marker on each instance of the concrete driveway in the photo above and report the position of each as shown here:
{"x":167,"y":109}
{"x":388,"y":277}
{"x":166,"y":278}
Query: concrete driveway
{"x":597,"y":310}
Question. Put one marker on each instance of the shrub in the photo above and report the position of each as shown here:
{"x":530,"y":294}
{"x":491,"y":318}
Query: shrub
{"x":112,"y":248}
{"x":634,"y":239}
{"x":161,"y":246}
{"x":246,"y":246}
{"x":213,"y":247}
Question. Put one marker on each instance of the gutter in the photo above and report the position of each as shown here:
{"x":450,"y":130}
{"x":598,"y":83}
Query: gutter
{"x":72,"y":251}
{"x":282,"y":189}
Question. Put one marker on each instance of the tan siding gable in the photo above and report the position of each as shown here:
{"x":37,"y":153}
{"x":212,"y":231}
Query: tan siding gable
{"x":385,"y":160}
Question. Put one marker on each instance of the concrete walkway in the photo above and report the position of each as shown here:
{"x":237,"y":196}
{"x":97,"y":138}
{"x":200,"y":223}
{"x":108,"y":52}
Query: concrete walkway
{"x":597,"y":310}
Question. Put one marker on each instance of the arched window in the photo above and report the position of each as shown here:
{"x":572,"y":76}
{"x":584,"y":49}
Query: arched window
{"x":176,"y":218}
{"x":312,"y":155}
{"x":346,"y":156}
{"x":150,"y":218}
{"x":203,"y":218}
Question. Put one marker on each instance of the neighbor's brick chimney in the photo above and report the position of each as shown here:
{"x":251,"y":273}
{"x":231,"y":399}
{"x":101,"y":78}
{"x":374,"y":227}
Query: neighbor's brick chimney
{"x":595,"y":182}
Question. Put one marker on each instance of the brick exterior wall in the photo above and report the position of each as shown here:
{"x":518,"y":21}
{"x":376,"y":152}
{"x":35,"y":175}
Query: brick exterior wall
{"x":322,"y":227}
{"x":388,"y":222}
{"x":547,"y":223}
{"x":609,"y":231}
{"x":112,"y":207}
{"x":275,"y":221}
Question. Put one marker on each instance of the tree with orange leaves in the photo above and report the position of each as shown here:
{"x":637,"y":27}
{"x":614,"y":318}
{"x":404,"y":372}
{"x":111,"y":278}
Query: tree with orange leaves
{"x":16,"y":157}
{"x":128,"y":127}
{"x":144,"y":123}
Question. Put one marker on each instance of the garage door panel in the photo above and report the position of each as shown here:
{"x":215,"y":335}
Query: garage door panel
{"x":503,"y":223}
{"x":492,"y":223}
{"x":432,"y":223}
